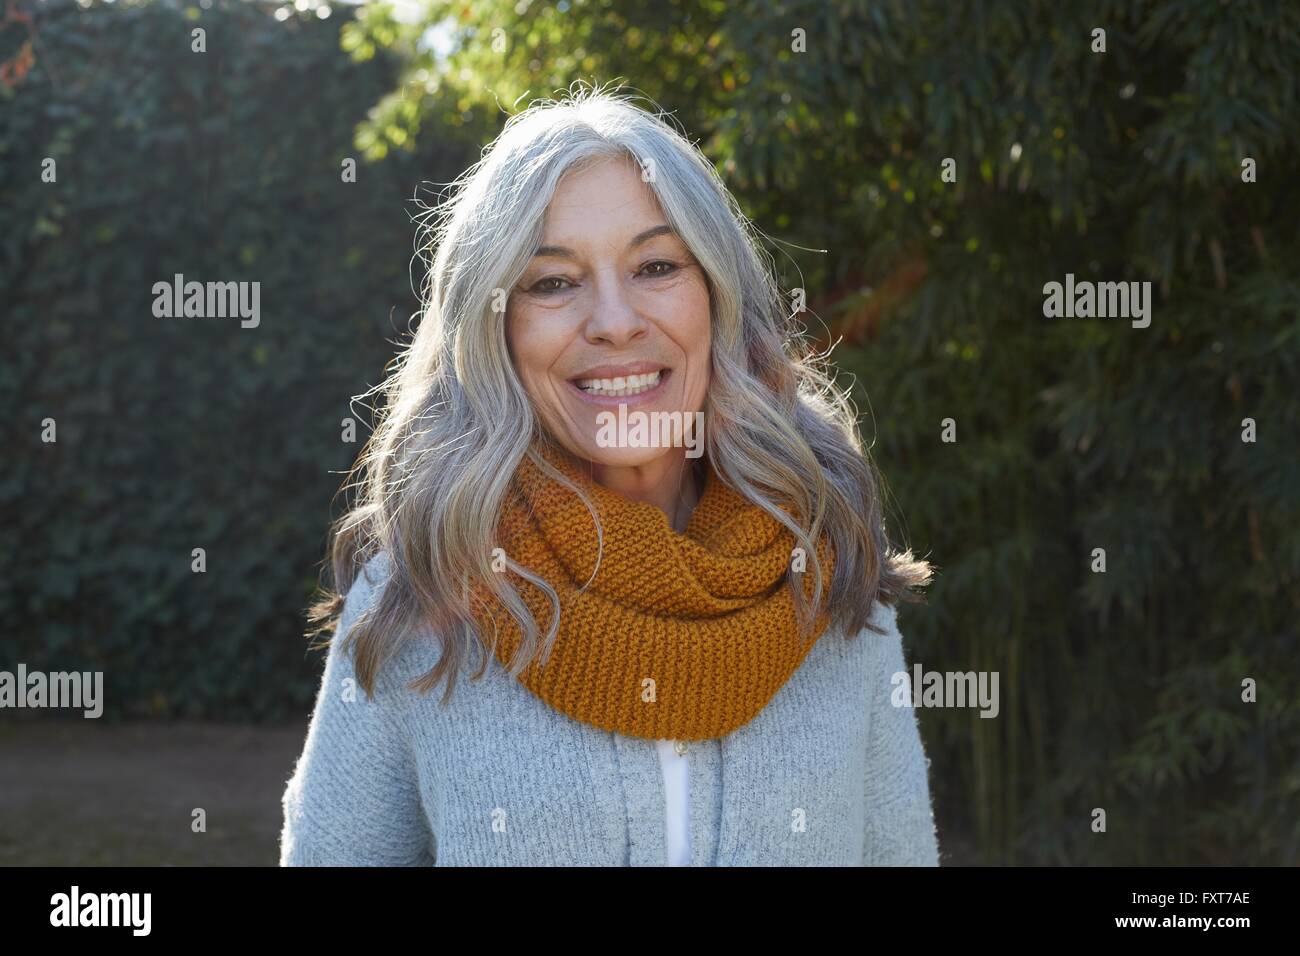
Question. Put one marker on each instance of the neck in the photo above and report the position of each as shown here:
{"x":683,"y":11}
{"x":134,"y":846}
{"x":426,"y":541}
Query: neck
{"x":669,"y":482}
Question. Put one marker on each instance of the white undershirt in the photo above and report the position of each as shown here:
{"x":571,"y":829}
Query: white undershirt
{"x":677,"y":803}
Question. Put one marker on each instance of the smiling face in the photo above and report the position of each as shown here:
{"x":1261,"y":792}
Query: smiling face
{"x":612,"y":310}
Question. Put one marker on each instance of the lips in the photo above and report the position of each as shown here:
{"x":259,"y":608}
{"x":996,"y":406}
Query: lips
{"x":618,"y":371}
{"x":629,"y":385}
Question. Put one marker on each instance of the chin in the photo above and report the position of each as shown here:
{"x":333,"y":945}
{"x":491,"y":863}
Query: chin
{"x":622,"y":457}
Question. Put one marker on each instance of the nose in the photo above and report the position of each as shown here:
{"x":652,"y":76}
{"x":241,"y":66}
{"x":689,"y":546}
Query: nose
{"x":614,"y":317}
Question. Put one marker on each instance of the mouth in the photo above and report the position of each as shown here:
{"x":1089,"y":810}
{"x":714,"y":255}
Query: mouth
{"x":610,"y":391}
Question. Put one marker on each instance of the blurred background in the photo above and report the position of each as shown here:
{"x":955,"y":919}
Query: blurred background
{"x":831,"y":120}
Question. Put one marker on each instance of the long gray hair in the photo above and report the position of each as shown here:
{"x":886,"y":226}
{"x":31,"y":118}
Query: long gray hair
{"x":456,"y":420}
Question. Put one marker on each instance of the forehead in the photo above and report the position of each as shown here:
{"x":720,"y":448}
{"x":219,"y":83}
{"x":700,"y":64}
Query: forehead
{"x":603,"y":201}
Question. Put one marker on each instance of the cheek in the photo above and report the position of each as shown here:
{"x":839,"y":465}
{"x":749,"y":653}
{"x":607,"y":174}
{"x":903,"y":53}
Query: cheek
{"x":696,"y":340}
{"x":683,"y":311}
{"x":532,"y":349}
{"x":702,"y":331}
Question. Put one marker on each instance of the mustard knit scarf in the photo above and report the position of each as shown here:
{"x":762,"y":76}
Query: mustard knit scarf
{"x":682,"y":636}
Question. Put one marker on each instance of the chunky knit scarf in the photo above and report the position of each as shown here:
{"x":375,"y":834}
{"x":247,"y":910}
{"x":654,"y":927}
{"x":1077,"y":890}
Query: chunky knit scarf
{"x":682,"y":636}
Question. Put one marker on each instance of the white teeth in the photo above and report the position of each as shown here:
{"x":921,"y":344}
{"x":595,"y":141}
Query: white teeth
{"x":623,"y":385}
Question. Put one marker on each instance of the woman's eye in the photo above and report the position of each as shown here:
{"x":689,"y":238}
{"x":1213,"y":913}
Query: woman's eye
{"x":541,"y":288}
{"x":671,"y":266}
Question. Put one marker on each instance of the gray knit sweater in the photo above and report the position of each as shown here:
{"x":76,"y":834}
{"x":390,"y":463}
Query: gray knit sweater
{"x":829,"y":773}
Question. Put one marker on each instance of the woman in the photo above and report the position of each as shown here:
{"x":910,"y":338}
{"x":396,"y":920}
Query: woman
{"x":685,"y":640}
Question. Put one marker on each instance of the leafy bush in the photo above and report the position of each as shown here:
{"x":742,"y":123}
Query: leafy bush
{"x":1121,"y":689}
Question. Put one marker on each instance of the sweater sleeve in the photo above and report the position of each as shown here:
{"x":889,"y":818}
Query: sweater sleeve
{"x":900,"y":827}
{"x":353,"y":798}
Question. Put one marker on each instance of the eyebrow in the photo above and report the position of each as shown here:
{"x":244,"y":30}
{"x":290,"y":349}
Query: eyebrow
{"x":563,"y":252}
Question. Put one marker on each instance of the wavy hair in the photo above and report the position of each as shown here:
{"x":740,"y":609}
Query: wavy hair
{"x":456,"y":422}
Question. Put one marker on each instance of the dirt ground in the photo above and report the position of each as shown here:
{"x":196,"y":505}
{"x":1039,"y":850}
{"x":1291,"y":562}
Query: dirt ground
{"x":81,"y":793}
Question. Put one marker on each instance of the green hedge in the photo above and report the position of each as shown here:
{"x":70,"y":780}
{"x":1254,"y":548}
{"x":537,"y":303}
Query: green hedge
{"x":181,"y":433}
